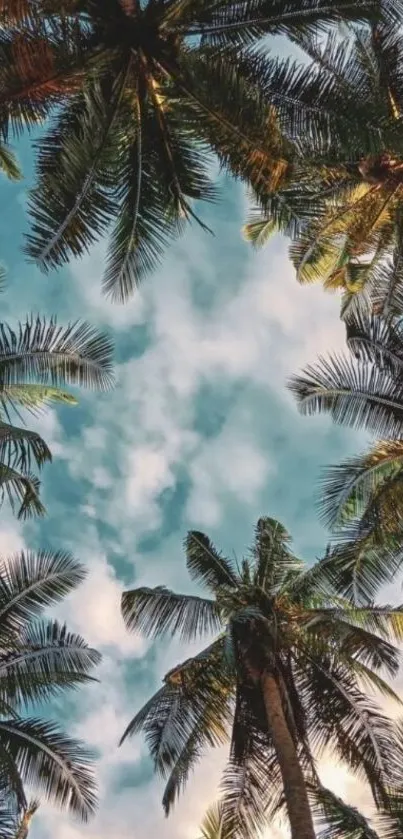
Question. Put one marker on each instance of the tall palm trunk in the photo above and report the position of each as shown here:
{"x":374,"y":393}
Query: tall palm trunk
{"x":295,"y":792}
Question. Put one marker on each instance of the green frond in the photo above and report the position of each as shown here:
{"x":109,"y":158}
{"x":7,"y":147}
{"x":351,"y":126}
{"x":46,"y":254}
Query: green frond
{"x":56,"y":766}
{"x":8,"y":164}
{"x":21,"y":491}
{"x":206,"y":565}
{"x":42,"y":660}
{"x":362,"y":635}
{"x":210,"y":729}
{"x":356,"y":566}
{"x":47,"y":353}
{"x":158,"y":611}
{"x":376,"y":340}
{"x":31,"y":581}
{"x":190,"y":711}
{"x":335,"y":819}
{"x":259,"y":231}
{"x":212,"y":825}
{"x":224,"y":24}
{"x":347,"y":720}
{"x":33,"y":397}
{"x":162,"y":170}
{"x":353,"y":394}
{"x":347,"y":489}
{"x":273,"y":560}
{"x":318,"y":259}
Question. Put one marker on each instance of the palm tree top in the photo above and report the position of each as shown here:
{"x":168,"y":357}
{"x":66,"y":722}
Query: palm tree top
{"x":142,"y":94}
{"x":271,"y":614}
{"x":40,"y":658}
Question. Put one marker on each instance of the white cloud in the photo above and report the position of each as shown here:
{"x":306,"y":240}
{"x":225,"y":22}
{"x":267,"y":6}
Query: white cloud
{"x":48,"y":426}
{"x":87,"y":273}
{"x":259,"y":334}
{"x":230,"y":464}
{"x":93,"y":609}
{"x":11,"y":539}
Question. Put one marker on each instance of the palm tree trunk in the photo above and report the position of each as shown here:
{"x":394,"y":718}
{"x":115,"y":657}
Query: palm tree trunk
{"x":295,"y":792}
{"x":23,"y":829}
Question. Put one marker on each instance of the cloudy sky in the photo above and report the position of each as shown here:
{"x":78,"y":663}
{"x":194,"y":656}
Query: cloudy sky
{"x":199,"y":433}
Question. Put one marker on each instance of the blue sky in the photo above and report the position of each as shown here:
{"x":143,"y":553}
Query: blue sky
{"x":199,"y":433}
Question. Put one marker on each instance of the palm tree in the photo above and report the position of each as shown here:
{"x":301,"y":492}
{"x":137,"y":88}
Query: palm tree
{"x":141,"y":94}
{"x":362,"y":390}
{"x":37,"y":360}
{"x":283,"y":676}
{"x":342,"y":200}
{"x":39,"y":659}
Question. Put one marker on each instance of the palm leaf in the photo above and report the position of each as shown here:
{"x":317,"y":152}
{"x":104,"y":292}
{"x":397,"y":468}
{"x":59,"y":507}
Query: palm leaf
{"x":259,"y":231}
{"x":19,"y":447}
{"x":337,"y":820}
{"x":163,"y":169}
{"x":8,"y":164}
{"x":33,"y":397}
{"x":205,"y":564}
{"x":353,"y":394}
{"x":42,"y":660}
{"x":212,"y":825}
{"x":348,"y":488}
{"x":22,"y":490}
{"x":31,"y":581}
{"x":356,"y":566}
{"x":274,"y":561}
{"x":376,"y":340}
{"x":57,"y":766}
{"x":44,"y":351}
{"x":157,"y":611}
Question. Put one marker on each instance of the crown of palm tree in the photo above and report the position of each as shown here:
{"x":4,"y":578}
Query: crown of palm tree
{"x":39,"y":659}
{"x":36,"y":361}
{"x":341,"y":201}
{"x":273,"y":615}
{"x":144,"y":91}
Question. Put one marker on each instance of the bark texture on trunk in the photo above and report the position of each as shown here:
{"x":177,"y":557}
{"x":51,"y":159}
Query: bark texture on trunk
{"x":295,"y":792}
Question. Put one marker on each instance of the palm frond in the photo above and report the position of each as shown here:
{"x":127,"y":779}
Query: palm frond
{"x":56,"y":766}
{"x":233,"y":23}
{"x":335,"y":819}
{"x":350,"y":722}
{"x":209,"y":730}
{"x":356,"y":566}
{"x":212,"y":825}
{"x":205,"y":564}
{"x":44,"y":351}
{"x":68,"y":209}
{"x":8,"y":164}
{"x":43,"y":659}
{"x":190,"y":712}
{"x":19,"y":448}
{"x":158,"y":611}
{"x":22,"y":492}
{"x":274,"y":561}
{"x":31,"y":581}
{"x":353,"y":394}
{"x":376,"y":340}
{"x":347,"y":489}
{"x":162,"y":170}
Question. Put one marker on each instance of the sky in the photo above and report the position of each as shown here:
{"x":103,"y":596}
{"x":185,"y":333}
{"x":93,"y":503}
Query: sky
{"x":200,"y":432}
